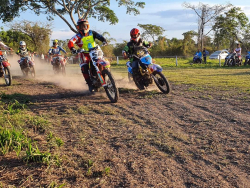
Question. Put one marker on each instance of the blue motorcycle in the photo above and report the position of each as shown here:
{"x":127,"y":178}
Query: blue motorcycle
{"x":148,"y":71}
{"x":196,"y":59}
{"x":247,"y":59}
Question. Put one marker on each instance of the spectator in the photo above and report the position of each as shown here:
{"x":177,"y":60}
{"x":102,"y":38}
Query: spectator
{"x":42,"y":57}
{"x":205,"y":53}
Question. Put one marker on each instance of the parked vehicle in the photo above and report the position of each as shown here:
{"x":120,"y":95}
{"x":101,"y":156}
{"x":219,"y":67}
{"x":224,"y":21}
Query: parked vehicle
{"x":196,"y":59}
{"x":5,"y":69}
{"x":247,"y":59}
{"x":100,"y":75}
{"x":221,"y":54}
{"x":149,"y":72}
{"x":232,"y":60}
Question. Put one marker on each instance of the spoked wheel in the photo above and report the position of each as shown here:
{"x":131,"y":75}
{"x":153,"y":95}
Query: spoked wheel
{"x":130,"y":77}
{"x":230,"y":63}
{"x":7,"y":76}
{"x":111,"y":89}
{"x":32,"y":71}
{"x":225,"y":63}
{"x":25,"y":72}
{"x":161,"y":82}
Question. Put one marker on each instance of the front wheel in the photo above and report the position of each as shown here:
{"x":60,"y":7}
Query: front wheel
{"x":7,"y":76}
{"x":161,"y":82}
{"x":111,"y":89}
{"x":32,"y":71}
{"x":63,"y":70}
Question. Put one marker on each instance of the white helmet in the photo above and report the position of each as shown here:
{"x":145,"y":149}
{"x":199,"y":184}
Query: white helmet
{"x":22,"y":45}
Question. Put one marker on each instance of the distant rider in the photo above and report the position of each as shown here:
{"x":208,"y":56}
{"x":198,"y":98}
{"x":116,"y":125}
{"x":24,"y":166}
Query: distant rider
{"x":129,"y":50}
{"x":24,"y":54}
{"x":84,"y":39}
{"x":55,"y":51}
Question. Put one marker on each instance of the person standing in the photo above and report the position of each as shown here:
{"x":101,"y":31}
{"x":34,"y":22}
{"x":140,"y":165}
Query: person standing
{"x":205,"y":53}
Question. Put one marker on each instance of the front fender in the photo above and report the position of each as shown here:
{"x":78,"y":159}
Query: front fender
{"x":104,"y":62}
{"x":155,"y":67}
{"x":6,"y":63}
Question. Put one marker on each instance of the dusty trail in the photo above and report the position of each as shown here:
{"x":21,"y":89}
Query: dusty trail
{"x":147,"y":139}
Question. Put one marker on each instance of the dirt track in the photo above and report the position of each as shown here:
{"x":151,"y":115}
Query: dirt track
{"x":188,"y":138}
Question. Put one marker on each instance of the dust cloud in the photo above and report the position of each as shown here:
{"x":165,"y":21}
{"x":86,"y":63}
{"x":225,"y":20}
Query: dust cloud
{"x":73,"y":79}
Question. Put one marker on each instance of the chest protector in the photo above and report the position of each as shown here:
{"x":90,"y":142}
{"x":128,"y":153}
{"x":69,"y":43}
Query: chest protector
{"x":88,"y":42}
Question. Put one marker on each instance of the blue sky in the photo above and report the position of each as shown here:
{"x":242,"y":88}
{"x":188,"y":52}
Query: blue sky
{"x":170,"y":15}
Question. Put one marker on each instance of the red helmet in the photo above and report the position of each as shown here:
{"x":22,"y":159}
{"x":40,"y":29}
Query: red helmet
{"x":85,"y":23}
{"x":135,"y":34}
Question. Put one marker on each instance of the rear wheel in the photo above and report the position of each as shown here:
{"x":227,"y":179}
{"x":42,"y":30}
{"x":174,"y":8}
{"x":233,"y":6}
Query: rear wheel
{"x":225,"y":63}
{"x":130,"y":77}
{"x":111,"y":89}
{"x":138,"y":82}
{"x":7,"y":76}
{"x":161,"y":82}
{"x":230,"y":62}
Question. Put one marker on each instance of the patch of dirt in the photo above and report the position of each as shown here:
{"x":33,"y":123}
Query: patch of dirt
{"x":187,"y":138}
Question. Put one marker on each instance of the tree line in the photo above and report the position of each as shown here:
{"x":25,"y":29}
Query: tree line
{"x":228,"y":25}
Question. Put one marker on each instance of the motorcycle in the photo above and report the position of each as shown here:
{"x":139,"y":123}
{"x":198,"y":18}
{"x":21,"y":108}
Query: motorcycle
{"x":27,"y":66}
{"x":59,"y":63}
{"x":247,"y":59}
{"x":148,"y":72}
{"x":232,"y":60}
{"x":5,"y":69}
{"x":196,"y":59}
{"x":99,"y":73}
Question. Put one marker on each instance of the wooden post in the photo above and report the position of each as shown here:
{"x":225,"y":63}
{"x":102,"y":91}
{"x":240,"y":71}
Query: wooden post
{"x":176,"y":62}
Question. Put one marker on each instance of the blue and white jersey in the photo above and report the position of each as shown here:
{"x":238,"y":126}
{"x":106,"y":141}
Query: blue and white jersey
{"x":56,"y":50}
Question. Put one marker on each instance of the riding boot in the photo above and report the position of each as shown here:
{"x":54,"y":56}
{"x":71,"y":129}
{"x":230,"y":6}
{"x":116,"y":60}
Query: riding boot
{"x":90,"y":85}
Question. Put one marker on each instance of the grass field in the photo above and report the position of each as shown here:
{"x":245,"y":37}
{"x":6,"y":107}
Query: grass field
{"x":203,"y":75}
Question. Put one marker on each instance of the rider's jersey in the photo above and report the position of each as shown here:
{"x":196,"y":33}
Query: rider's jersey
{"x":56,"y":50}
{"x":84,"y":42}
{"x":238,"y":51}
{"x":129,"y":49}
{"x":23,"y":52}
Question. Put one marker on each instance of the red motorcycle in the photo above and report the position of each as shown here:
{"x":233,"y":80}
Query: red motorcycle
{"x":59,"y":63}
{"x":5,"y":69}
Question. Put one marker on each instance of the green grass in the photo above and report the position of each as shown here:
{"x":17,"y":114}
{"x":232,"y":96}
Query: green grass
{"x":200,"y":75}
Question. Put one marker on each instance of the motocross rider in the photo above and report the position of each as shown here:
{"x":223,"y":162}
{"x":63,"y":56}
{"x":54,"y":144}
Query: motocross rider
{"x":56,"y":50}
{"x":2,"y":45}
{"x":128,"y":50}
{"x":24,"y":53}
{"x":85,"y":38}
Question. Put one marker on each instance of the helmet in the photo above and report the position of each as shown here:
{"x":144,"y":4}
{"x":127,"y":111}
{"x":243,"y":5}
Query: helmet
{"x":22,"y":45}
{"x":135,"y":34}
{"x":85,"y":28}
{"x":55,"y":42}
